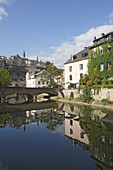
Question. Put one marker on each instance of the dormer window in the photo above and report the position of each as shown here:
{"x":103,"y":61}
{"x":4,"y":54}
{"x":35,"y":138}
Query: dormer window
{"x":95,"y":54}
{"x":84,"y":54}
{"x":74,"y":57}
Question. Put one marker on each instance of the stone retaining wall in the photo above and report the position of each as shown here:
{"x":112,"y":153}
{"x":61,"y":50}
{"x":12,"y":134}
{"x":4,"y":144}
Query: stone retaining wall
{"x":103,"y":93}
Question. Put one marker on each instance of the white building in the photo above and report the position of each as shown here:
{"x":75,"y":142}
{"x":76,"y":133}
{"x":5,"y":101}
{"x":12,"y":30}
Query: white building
{"x":76,"y":67}
{"x":33,"y":79}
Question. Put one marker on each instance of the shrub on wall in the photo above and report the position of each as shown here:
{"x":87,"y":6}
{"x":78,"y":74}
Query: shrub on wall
{"x":86,"y":96}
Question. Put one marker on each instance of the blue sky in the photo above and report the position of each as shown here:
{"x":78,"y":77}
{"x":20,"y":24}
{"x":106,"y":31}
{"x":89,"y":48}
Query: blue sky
{"x":52,"y":29}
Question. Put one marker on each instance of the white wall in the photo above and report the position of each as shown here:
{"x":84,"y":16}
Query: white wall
{"x":32,"y":81}
{"x":75,"y":71}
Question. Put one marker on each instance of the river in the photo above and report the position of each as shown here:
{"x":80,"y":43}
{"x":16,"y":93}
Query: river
{"x":51,"y":136}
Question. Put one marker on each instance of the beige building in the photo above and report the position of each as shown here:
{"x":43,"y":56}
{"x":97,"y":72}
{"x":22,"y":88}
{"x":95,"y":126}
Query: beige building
{"x":74,"y":131}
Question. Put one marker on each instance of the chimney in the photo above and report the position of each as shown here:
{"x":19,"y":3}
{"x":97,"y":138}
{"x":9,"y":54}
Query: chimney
{"x":94,"y":38}
{"x":102,"y":35}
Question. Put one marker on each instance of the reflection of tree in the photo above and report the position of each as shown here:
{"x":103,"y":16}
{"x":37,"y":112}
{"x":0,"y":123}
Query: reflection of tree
{"x":18,"y":119}
{"x":100,"y":138}
{"x":3,"y":119}
{"x":52,"y":119}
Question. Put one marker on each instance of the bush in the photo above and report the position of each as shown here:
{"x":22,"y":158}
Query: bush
{"x":108,"y":86}
{"x":86,"y":96}
{"x":104,"y":101}
{"x":104,"y":82}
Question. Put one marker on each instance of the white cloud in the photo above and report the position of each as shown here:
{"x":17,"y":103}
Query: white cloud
{"x":63,"y":52}
{"x":6,"y":1}
{"x":111,"y":18}
{"x":2,"y":12}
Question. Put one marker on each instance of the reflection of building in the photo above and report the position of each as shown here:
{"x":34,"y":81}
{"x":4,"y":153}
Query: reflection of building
{"x":73,"y":130}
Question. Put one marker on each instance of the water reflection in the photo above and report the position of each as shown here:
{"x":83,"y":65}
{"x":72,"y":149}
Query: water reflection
{"x":92,"y":131}
{"x":85,"y":127}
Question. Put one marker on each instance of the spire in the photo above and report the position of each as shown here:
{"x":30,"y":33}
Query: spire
{"x":24,"y":54}
{"x":37,"y":59}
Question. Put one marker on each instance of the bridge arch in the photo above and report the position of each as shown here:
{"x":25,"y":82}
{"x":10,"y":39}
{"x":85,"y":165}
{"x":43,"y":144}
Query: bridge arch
{"x":28,"y":91}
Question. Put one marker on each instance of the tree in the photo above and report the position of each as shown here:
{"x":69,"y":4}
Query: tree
{"x":94,"y":78}
{"x":50,"y":74}
{"x":4,"y":78}
{"x":47,"y":63}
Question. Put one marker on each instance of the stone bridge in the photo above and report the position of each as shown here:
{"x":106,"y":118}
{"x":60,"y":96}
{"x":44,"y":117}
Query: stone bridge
{"x":31,"y":92}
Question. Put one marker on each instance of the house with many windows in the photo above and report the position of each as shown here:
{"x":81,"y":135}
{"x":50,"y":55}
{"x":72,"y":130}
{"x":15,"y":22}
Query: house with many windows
{"x":101,"y":55}
{"x":33,"y":79}
{"x":75,"y":68}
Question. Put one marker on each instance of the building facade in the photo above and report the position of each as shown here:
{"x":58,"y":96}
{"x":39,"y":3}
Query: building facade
{"x":33,"y":79}
{"x":75,"y":68}
{"x":101,"y":55}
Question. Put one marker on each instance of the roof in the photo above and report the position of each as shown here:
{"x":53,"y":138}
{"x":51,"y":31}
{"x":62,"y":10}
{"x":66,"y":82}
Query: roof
{"x":104,"y":35}
{"x":82,"y":55}
{"x":103,"y":39}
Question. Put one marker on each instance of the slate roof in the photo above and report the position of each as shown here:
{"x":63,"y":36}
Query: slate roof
{"x":82,"y":55}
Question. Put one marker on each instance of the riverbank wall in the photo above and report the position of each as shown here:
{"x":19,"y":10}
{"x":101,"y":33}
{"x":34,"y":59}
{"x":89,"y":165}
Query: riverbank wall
{"x":70,"y":96}
{"x":97,"y":94}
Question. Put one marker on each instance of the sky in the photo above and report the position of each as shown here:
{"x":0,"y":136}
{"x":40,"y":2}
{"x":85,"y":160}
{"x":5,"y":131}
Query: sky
{"x":53,"y":30}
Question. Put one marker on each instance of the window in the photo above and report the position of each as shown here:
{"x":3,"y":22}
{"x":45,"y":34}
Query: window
{"x":70,"y":68}
{"x":38,"y":82}
{"x":96,"y":150}
{"x":74,"y":57}
{"x":95,"y":54}
{"x":101,"y":67}
{"x":101,"y":52}
{"x":82,"y":135}
{"x":71,"y":131}
{"x":43,"y":82}
{"x":70,"y":77}
{"x":81,"y":66}
{"x":109,"y":49}
{"x":46,"y":82}
{"x":84,"y":54}
{"x":71,"y":122}
{"x":109,"y":66}
{"x":103,"y":139}
{"x":81,"y":75}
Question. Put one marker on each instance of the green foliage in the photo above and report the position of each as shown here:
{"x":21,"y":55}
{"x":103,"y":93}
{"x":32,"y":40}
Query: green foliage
{"x":104,"y":81}
{"x":86,"y":96}
{"x":83,"y":80}
{"x":105,"y":59}
{"x":50,"y":74}
{"x":94,"y":78}
{"x":104,"y":101}
{"x":108,"y":86}
{"x":4,"y":78}
{"x":96,"y":86}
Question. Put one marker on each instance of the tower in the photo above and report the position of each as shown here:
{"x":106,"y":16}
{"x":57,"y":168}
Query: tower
{"x":24,"y":54}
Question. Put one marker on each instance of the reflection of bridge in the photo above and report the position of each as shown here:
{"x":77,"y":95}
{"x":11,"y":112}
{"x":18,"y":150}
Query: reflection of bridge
{"x":31,"y":92}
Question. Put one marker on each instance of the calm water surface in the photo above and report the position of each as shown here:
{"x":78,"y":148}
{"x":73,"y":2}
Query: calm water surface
{"x":58,"y":137}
